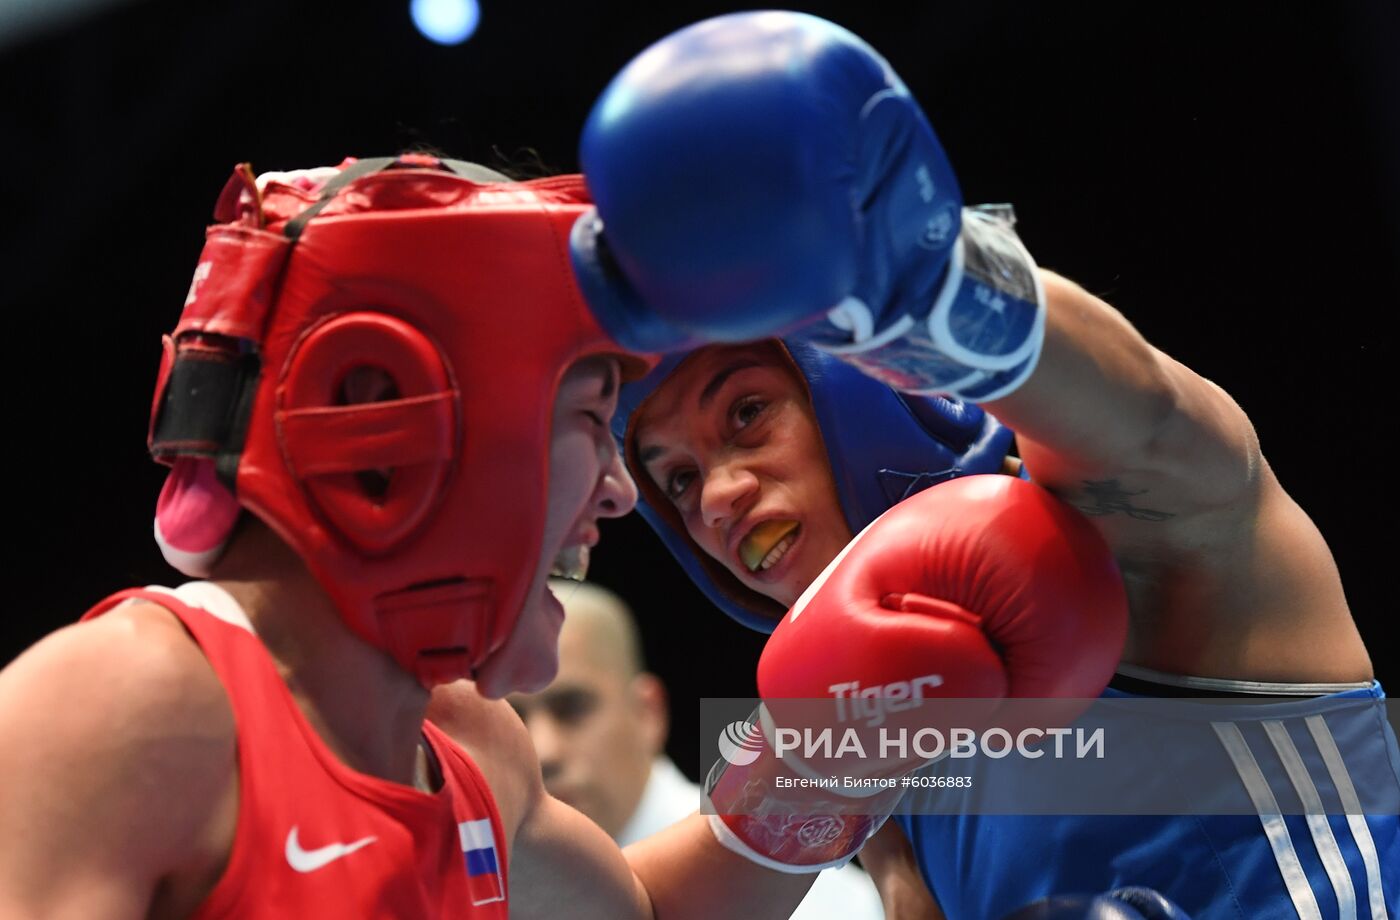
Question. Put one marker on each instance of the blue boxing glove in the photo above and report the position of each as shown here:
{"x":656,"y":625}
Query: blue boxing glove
{"x":1132,"y":903}
{"x":767,"y":173}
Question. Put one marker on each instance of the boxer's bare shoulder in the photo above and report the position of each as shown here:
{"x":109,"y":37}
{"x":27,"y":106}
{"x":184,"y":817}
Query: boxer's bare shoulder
{"x":113,"y":729}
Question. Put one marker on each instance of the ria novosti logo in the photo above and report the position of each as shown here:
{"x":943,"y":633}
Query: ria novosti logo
{"x":740,"y":743}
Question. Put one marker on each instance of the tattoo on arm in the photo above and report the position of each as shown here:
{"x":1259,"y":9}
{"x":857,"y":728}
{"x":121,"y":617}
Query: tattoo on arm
{"x":1106,"y":496}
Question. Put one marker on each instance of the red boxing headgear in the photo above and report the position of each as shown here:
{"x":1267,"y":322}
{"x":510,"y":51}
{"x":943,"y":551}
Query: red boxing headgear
{"x":422,"y":513}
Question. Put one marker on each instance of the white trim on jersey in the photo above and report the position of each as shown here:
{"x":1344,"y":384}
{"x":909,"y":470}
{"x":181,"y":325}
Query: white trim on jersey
{"x":1262,"y":687}
{"x":209,"y":597}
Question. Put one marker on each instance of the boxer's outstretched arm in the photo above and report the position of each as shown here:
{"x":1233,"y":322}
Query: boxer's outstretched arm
{"x":1104,"y":403}
{"x":117,"y":751}
{"x":1169,"y":468}
{"x":893,"y":867}
{"x":565,"y":865}
{"x":688,"y":874}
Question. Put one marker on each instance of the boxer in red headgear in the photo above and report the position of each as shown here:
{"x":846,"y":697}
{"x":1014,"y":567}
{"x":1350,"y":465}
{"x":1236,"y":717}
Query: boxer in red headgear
{"x":388,"y":367}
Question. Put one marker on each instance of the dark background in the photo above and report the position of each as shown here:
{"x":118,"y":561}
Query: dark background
{"x":1226,"y":174}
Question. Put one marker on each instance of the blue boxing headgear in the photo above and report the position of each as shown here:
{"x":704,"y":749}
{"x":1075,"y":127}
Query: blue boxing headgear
{"x":883,"y":446}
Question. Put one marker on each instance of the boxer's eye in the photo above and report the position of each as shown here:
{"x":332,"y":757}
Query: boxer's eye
{"x":678,"y":482}
{"x":745,"y":411}
{"x":570,"y":707}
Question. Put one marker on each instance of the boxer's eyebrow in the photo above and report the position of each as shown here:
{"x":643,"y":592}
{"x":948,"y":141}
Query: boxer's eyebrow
{"x":717,"y":381}
{"x":647,"y":454}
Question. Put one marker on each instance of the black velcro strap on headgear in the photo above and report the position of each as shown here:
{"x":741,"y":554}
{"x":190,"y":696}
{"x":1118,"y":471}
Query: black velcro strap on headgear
{"x":204,"y":409}
{"x":473,"y":171}
{"x":332,"y":187}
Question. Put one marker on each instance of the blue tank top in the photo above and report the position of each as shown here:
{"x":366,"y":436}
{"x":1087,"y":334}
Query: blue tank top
{"x":1216,"y":866}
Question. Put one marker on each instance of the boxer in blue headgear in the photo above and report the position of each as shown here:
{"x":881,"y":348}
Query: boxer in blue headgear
{"x":768,"y":174}
{"x":882,"y":446}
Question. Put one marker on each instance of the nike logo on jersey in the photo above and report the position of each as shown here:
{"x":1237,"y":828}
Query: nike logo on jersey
{"x":311,"y":860}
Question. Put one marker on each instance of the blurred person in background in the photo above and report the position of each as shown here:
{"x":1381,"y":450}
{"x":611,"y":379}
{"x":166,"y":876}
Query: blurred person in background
{"x":600,"y":731}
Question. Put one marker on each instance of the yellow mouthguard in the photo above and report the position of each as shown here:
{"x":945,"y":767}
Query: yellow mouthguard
{"x":765,"y":536}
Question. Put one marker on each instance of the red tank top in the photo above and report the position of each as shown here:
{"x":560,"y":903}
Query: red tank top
{"x":318,"y":839}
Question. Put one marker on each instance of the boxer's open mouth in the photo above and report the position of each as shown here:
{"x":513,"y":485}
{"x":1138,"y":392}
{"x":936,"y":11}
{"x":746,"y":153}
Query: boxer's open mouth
{"x":767,"y":543}
{"x":571,"y":563}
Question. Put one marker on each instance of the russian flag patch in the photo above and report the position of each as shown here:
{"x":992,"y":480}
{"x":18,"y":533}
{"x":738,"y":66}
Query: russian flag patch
{"x":483,"y":868}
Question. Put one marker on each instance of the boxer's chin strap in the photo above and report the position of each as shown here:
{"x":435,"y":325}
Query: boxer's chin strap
{"x":434,"y":647}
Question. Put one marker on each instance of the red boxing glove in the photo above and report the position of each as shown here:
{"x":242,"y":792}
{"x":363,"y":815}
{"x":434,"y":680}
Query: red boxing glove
{"x":984,"y":587}
{"x":981,"y":587}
